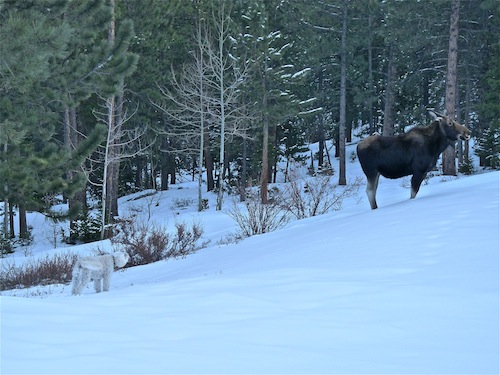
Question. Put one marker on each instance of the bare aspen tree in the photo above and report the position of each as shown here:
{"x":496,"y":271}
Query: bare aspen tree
{"x":120,"y":144}
{"x":186,"y":102}
{"x":109,"y":199}
{"x":199,"y":68}
{"x":208,"y":90}
{"x":226,"y":77}
{"x":219,"y":70}
{"x":115,"y":117}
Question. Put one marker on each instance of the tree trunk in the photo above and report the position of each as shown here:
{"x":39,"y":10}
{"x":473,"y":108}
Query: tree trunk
{"x":388,"y":126}
{"x":107,"y":180}
{"x":112,"y":162}
{"x":264,"y":174}
{"x":23,"y":224}
{"x":467,"y":116}
{"x":109,"y":188}
{"x":12,"y":233}
{"x":164,"y":161}
{"x":371,"y":118}
{"x":139,"y":163}
{"x":275,"y":170}
{"x":5,"y":225}
{"x":209,"y":162}
{"x":172,"y":171}
{"x":202,"y":126}
{"x":337,"y":144}
{"x":115,"y":170}
{"x":343,"y":95}
{"x":244,"y":167}
{"x":449,"y":165}
{"x":321,"y":128}
{"x":164,"y":177}
{"x":321,"y":143}
{"x":6,"y":199}
{"x":222,"y":104}
{"x":71,"y":142}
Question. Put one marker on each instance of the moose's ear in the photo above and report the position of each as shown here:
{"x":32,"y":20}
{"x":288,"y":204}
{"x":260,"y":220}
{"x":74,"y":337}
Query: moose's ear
{"x":435,"y":116}
{"x":436,"y":122}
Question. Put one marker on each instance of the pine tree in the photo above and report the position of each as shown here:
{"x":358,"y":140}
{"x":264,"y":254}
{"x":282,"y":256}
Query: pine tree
{"x":488,"y":144}
{"x":31,"y":161}
{"x":274,"y":77}
{"x":67,"y":65}
{"x":164,"y":31}
{"x":488,"y":147}
{"x":78,"y":77}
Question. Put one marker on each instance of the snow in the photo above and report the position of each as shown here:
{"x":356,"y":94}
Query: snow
{"x":308,"y":101}
{"x":308,"y":112}
{"x":412,"y":287}
{"x":302,"y":72}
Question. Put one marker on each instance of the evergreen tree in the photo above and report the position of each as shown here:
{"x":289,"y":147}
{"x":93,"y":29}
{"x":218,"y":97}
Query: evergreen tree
{"x":164,"y":31}
{"x":32,"y":159}
{"x":488,"y":145}
{"x":275,"y":77}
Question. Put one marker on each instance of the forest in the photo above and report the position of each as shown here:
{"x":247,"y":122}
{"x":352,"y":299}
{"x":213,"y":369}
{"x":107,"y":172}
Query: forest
{"x":102,"y":98}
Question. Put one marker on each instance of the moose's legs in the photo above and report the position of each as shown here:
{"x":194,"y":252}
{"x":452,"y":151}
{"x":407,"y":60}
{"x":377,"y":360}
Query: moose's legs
{"x":371,"y":189}
{"x":416,"y":181}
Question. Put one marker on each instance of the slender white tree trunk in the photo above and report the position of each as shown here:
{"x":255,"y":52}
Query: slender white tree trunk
{"x":106,"y":169}
{"x":108,"y":155}
{"x":220,"y":194}
{"x":200,"y":68}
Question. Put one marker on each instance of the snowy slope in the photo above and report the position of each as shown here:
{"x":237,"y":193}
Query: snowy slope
{"x":409,"y":288}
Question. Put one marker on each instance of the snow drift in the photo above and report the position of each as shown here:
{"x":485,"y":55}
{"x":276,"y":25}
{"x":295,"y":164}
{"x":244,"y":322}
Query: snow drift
{"x":412,"y":287}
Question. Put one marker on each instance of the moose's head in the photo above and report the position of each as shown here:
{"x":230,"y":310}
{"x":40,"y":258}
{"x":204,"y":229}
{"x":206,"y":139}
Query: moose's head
{"x":452,"y":129}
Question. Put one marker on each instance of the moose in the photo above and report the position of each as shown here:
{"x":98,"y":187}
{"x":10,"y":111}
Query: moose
{"x":413,"y":153}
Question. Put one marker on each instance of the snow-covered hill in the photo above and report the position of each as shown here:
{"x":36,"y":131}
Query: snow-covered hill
{"x":412,"y":287}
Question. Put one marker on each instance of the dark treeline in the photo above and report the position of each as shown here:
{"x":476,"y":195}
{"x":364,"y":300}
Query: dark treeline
{"x":99,"y":98}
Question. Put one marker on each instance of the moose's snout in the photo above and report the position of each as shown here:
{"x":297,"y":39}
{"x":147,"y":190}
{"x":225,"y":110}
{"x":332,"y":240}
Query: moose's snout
{"x":465,"y":136}
{"x":463,"y":132}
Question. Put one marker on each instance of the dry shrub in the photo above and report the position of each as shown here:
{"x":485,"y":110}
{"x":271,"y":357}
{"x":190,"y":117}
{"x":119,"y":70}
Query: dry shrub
{"x":257,"y":218}
{"x":147,"y":242}
{"x":55,"y":269}
{"x":314,"y":196}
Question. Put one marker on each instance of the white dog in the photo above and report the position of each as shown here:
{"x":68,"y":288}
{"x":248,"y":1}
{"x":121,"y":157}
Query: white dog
{"x":97,"y":268}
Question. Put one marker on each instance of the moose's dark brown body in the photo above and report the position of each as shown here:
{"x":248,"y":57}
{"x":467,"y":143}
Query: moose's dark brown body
{"x":413,"y":153}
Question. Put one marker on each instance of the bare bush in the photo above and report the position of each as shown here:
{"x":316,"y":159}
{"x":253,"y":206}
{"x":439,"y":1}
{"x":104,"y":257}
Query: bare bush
{"x":257,"y":218}
{"x":183,"y":203}
{"x":316,"y":196}
{"x":147,"y":242}
{"x":55,"y":269}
